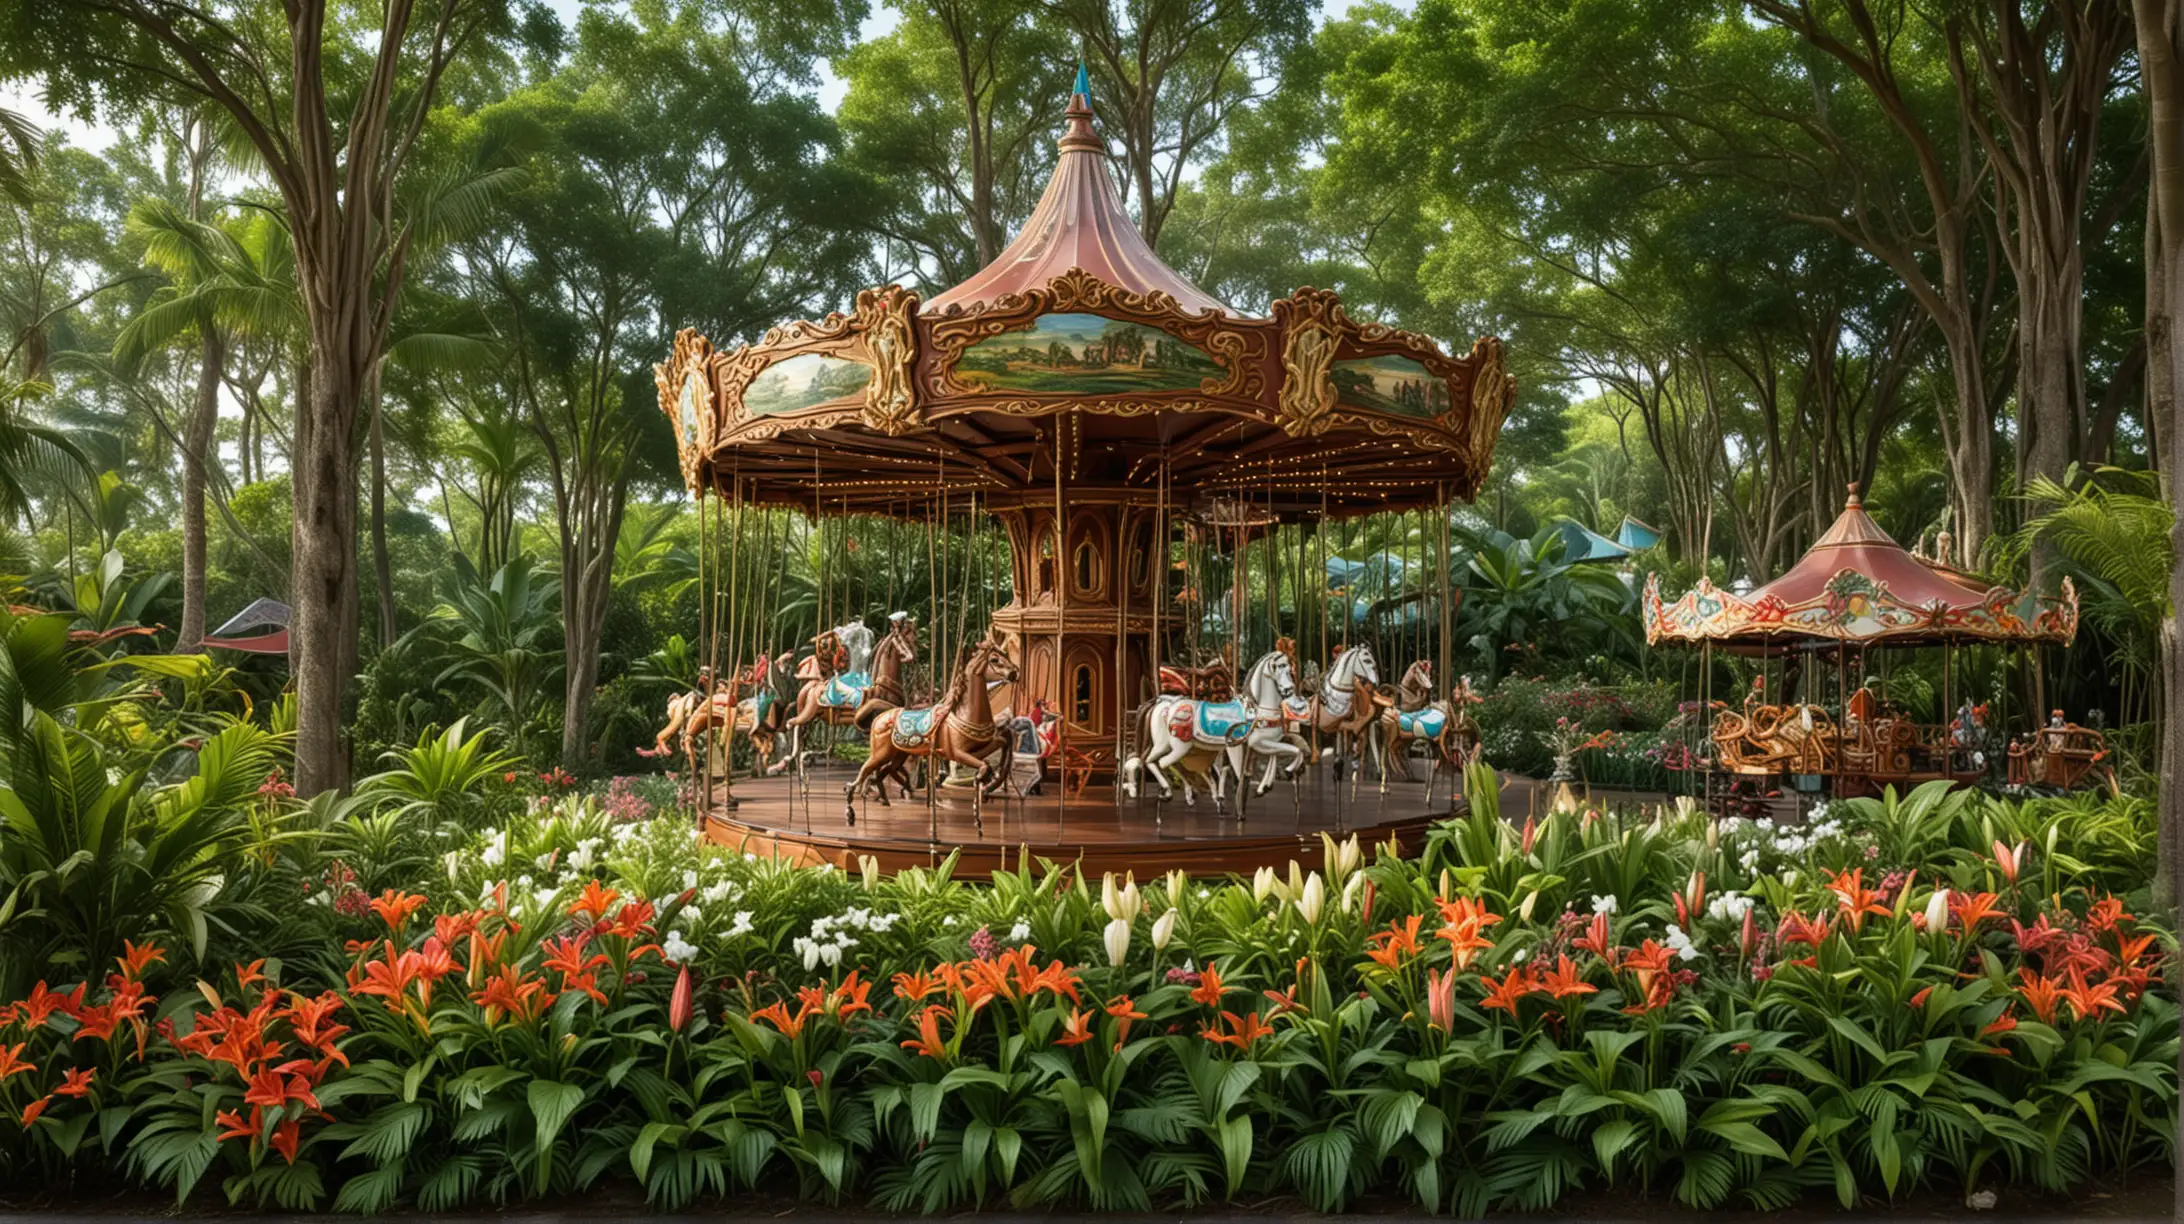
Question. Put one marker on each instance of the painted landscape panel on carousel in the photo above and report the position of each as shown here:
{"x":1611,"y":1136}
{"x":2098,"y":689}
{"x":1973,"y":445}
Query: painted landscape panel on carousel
{"x":1084,"y":354}
{"x":1389,"y":383}
{"x":804,"y":380}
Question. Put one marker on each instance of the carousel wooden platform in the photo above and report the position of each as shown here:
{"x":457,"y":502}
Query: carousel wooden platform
{"x":1101,"y":828}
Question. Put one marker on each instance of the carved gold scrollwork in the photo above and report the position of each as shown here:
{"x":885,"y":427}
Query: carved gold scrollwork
{"x":1492,"y":394}
{"x":889,"y":342}
{"x":689,"y":399}
{"x":1312,"y":321}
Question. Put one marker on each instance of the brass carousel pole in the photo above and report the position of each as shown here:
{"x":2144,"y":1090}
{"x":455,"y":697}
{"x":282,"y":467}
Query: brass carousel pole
{"x":1445,"y":664}
{"x":1061,"y":617}
{"x":736,"y":619}
{"x":707,"y":644}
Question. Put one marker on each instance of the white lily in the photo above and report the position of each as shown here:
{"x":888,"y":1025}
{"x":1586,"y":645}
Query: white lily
{"x":1117,"y":939}
{"x":1937,"y":910}
{"x":1312,"y":898}
{"x":1164,"y":930}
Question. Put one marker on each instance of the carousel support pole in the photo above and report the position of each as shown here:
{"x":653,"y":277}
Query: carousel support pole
{"x":1059,"y":678}
{"x":1159,"y":563}
{"x":708,"y":645}
{"x":735,"y":640}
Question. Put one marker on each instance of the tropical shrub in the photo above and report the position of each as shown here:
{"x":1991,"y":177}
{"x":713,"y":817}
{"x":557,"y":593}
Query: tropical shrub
{"x":1713,"y":1013}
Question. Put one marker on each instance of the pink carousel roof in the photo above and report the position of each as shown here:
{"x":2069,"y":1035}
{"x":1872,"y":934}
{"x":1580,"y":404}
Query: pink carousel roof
{"x":1855,"y":585}
{"x":1079,"y":224}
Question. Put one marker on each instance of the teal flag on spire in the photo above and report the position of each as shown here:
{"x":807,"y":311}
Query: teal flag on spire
{"x":1084,"y":81}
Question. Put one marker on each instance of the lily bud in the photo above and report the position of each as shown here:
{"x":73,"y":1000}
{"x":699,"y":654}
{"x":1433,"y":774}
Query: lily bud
{"x":869,"y":868}
{"x":1263,"y":883}
{"x":1122,"y":903}
{"x":1937,"y":911}
{"x":1117,"y":939}
{"x":678,"y":1003}
{"x":1312,"y":898}
{"x":1164,"y":930}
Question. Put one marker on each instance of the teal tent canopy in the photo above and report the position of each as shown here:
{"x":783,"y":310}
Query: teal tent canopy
{"x":1636,"y":536}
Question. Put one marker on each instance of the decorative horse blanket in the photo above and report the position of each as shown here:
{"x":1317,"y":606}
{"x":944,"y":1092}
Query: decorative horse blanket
{"x":912,"y":727}
{"x":845,"y":691}
{"x":1427,"y":723}
{"x":1222,"y":722}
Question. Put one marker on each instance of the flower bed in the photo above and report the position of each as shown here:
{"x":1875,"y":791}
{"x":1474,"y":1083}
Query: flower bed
{"x":1933,"y":993}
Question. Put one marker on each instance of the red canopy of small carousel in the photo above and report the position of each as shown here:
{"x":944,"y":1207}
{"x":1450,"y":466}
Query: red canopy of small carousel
{"x":1857,"y":585}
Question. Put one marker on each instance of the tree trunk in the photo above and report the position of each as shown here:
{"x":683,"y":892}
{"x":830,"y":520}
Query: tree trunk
{"x":196,"y":447}
{"x":382,"y":568}
{"x":323,"y":538}
{"x":588,"y":532}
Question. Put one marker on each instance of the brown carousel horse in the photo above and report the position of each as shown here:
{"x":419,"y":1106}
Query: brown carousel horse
{"x":680,"y":708}
{"x":895,"y":652}
{"x":1412,"y":715}
{"x":960,"y":727}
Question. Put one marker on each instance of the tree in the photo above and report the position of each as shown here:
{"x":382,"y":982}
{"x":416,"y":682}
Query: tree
{"x":659,"y":191}
{"x":956,"y":109}
{"x":331,"y":100}
{"x":1169,"y":73}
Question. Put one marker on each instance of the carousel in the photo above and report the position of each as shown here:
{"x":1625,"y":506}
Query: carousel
{"x":1127,"y":663}
{"x":1825,"y":634}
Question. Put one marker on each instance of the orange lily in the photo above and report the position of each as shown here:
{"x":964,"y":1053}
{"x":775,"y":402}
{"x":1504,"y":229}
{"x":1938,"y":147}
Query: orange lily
{"x":1244,"y":1030}
{"x":1397,"y":943}
{"x":777,"y":1014}
{"x":1209,"y":990}
{"x":1973,"y":909}
{"x":2087,"y":1000}
{"x":594,"y":901}
{"x":1077,"y":1029}
{"x":78,"y":1083}
{"x":394,"y":908}
{"x":912,"y":987}
{"x":134,"y":960}
{"x":1596,"y":939}
{"x":1854,"y":899}
{"x":509,"y":992}
{"x":1564,"y":980}
{"x":928,"y":1041}
{"x":1124,"y":1011}
{"x":1506,"y":993}
{"x":2011,"y":859}
{"x":2041,"y":994}
{"x":11,"y":1061}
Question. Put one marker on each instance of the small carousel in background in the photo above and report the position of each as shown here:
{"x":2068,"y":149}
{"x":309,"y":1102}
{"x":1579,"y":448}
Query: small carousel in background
{"x":1139,"y":478}
{"x":1823,"y":631}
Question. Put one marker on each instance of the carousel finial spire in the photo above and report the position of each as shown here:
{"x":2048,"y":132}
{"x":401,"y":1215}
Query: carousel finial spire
{"x":1084,"y":81}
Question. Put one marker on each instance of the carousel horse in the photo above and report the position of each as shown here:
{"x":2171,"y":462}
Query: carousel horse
{"x":1343,"y":707}
{"x":833,"y":683}
{"x":1209,"y":680}
{"x":895,"y":652}
{"x":1187,"y":734}
{"x":1413,"y":715}
{"x":764,"y":713}
{"x":680,"y":708}
{"x":960,"y":728}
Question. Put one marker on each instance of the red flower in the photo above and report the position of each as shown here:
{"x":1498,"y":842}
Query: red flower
{"x":78,"y":1083}
{"x":394,"y":908}
{"x":135,"y":960}
{"x":1397,"y":943}
{"x":35,"y":1108}
{"x":1209,"y":990}
{"x":1077,"y":1029}
{"x":285,"y":1137}
{"x":11,"y":1062}
{"x":1504,"y":995}
{"x":1243,"y":1030}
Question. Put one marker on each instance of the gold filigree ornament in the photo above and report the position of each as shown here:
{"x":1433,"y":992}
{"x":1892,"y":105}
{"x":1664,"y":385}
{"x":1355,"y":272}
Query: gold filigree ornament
{"x":685,"y":386}
{"x":889,"y":341}
{"x":1493,"y":391}
{"x":1312,"y":325}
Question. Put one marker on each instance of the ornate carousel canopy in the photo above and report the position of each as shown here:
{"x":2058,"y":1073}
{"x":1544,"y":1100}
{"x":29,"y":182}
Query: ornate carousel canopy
{"x":1079,"y":350}
{"x":1856,"y":585}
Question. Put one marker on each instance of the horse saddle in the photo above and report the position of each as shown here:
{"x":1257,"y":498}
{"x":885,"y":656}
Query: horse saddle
{"x":912,"y":728}
{"x":1221,"y":722}
{"x":845,"y":691}
{"x":1426,"y":724}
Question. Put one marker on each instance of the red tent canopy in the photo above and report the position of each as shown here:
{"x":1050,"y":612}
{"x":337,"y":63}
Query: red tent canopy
{"x":1856,"y":585}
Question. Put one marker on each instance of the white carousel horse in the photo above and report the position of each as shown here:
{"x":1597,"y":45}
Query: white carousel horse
{"x":1343,"y":706}
{"x":1188,"y":735}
